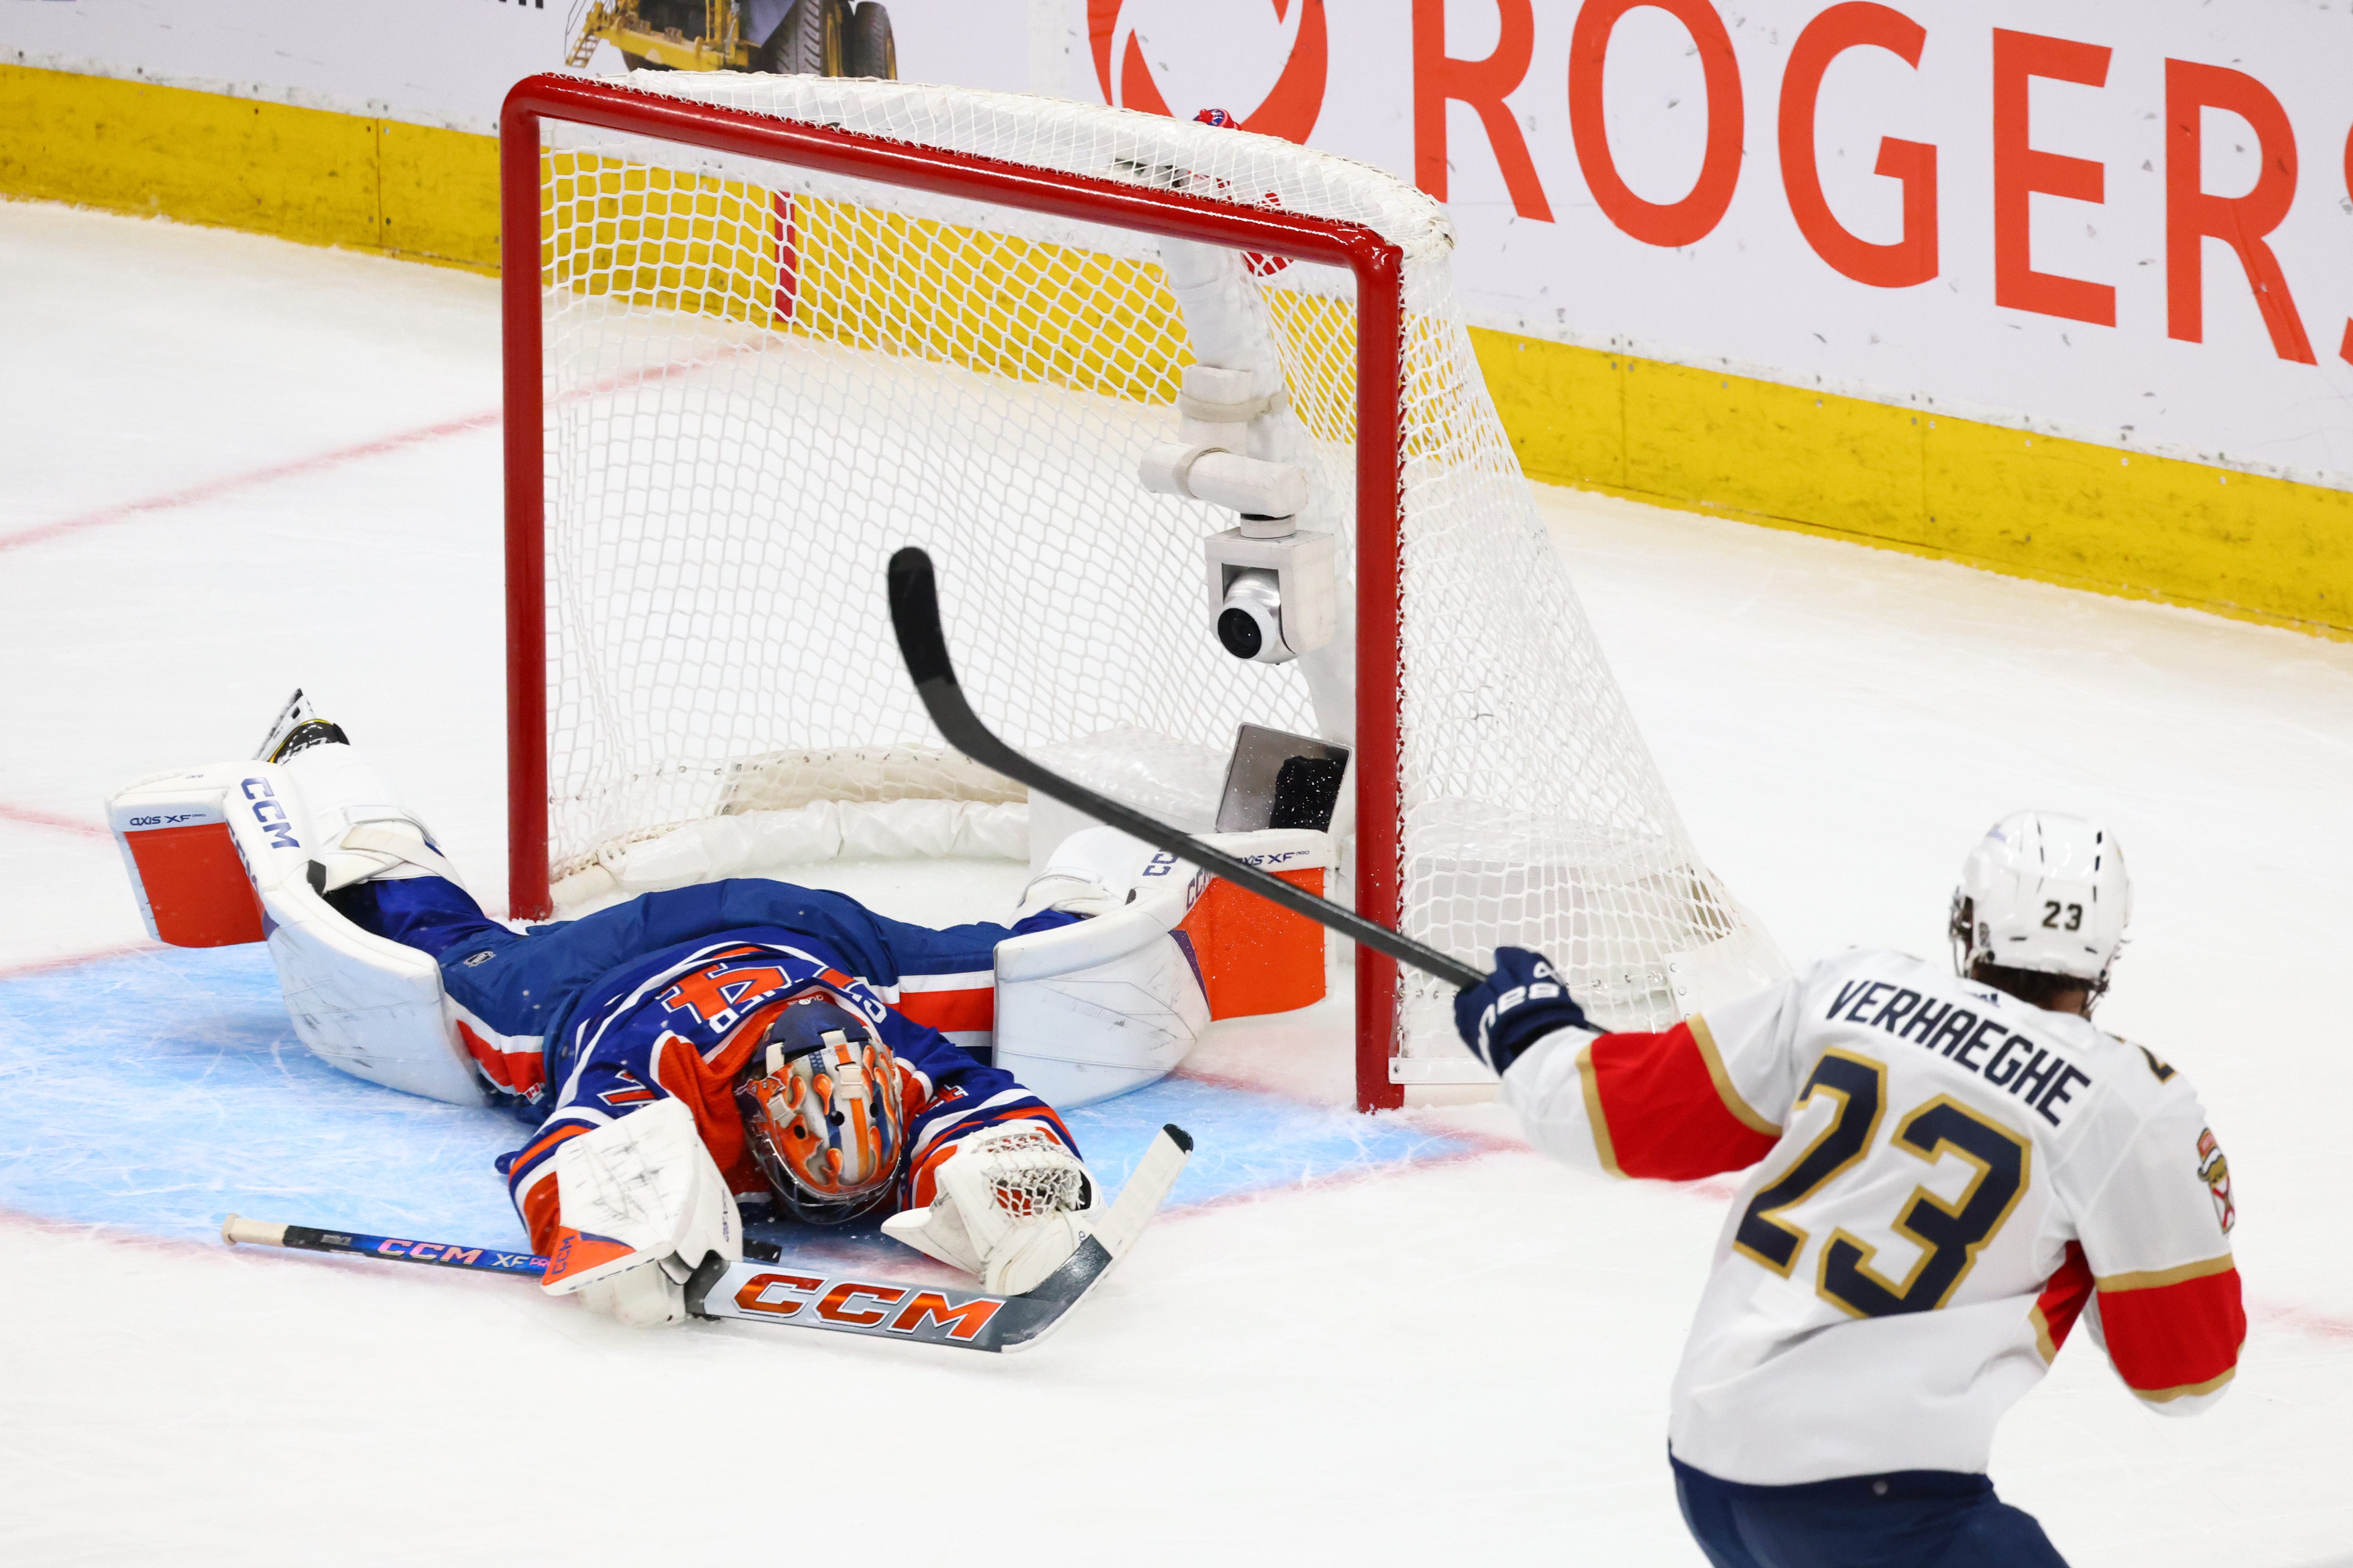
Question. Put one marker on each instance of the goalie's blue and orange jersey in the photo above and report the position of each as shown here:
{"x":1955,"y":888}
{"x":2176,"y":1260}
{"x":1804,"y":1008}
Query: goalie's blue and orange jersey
{"x":1943,"y":1180}
{"x":665,"y":997}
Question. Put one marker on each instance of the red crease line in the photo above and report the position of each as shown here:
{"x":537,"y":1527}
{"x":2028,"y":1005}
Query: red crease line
{"x":69,"y":959}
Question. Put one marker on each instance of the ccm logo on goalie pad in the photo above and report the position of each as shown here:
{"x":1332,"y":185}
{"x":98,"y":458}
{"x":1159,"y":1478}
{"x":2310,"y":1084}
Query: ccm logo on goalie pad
{"x":783,"y":1295}
{"x":269,"y":811}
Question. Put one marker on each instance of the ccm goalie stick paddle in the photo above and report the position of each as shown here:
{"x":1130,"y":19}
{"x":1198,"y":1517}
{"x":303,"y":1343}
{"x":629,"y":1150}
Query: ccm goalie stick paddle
{"x":764,"y":1287}
{"x":915,"y":616}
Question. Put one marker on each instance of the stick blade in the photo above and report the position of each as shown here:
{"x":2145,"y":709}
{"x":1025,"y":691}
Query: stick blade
{"x":1146,"y":1190}
{"x":1043,"y":1306}
{"x":915,"y":617}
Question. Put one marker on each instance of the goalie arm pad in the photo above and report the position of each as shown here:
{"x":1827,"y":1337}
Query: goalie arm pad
{"x":639,"y":1204}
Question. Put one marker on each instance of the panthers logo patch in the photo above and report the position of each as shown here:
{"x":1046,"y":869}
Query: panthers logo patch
{"x":2215,"y":1171}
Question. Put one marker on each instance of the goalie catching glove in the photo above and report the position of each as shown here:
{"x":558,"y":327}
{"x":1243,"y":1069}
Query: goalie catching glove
{"x":1012,"y":1204}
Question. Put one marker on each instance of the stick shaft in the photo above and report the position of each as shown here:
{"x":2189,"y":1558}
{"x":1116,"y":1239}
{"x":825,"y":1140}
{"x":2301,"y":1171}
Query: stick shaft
{"x":765,"y":1287}
{"x":915,"y":616}
{"x":398,"y":1249}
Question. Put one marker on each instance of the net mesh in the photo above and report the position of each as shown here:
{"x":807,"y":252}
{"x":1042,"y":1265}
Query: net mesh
{"x":1028,"y":1170}
{"x":761,"y":381}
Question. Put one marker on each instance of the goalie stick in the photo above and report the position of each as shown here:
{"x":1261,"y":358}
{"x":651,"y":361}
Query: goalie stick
{"x":765,"y":1287}
{"x":915,"y":617}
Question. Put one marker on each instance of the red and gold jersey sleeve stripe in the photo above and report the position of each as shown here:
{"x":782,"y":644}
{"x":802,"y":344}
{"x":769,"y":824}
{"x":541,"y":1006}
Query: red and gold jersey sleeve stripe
{"x":2064,"y":1297}
{"x":1742,"y":1111}
{"x":1662,"y":1107}
{"x":2174,"y":1332}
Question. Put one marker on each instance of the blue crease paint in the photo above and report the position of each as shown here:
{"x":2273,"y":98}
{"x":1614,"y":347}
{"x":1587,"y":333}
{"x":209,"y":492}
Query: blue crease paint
{"x":156,"y":1092}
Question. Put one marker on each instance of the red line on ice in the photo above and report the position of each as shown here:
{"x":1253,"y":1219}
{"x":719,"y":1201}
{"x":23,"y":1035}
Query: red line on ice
{"x":27,"y":818}
{"x":2304,"y":1320}
{"x":212,"y":490}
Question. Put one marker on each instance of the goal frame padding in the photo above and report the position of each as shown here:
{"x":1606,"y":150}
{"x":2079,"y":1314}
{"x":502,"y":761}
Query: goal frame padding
{"x":1378,"y":268}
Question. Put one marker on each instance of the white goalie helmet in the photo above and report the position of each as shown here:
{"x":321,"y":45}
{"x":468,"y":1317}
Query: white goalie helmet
{"x":2044,"y":892}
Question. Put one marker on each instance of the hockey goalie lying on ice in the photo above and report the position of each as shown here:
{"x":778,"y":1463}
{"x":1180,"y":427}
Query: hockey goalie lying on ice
{"x":741,"y":1043}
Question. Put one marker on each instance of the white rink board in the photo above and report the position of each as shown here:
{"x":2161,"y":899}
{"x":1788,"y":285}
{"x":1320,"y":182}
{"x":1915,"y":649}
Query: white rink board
{"x":1752,"y":295}
{"x":1748,"y":292}
{"x":1470,"y":1360}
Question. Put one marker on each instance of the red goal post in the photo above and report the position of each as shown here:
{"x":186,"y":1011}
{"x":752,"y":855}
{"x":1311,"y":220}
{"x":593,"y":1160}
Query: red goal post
{"x":1374,"y":262}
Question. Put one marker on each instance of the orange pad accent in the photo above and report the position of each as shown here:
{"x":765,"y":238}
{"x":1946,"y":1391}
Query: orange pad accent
{"x":197,"y":889}
{"x":576,"y":1252}
{"x":1256,"y":957}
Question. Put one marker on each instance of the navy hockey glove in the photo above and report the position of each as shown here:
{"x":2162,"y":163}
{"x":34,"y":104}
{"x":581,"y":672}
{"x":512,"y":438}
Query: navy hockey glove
{"x":1517,"y":1005}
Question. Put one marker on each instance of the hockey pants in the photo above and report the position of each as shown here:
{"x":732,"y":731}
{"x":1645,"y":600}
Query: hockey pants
{"x":1904,"y":1518}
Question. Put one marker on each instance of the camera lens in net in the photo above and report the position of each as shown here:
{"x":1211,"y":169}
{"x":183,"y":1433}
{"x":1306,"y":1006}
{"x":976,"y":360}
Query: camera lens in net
{"x":1238,"y":630}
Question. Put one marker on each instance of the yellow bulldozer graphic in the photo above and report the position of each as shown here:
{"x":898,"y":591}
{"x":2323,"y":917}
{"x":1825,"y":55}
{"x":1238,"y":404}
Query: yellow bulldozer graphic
{"x":804,"y":37}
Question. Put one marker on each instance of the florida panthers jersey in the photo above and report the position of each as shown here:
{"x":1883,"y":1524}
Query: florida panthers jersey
{"x":1945,"y":1179}
{"x":665,"y":997}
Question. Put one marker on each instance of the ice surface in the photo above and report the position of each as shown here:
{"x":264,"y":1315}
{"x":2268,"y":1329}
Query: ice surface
{"x":1404,"y":1341}
{"x":157,"y":1091}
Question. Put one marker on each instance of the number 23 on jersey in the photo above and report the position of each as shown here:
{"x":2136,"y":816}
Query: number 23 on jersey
{"x":1950,"y":1233}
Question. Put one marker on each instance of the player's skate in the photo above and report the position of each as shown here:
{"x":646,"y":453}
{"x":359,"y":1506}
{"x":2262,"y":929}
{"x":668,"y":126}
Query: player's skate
{"x":360,"y":831}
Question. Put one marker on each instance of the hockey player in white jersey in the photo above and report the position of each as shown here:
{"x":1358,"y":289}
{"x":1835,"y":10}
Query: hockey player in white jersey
{"x":1947,"y":1175}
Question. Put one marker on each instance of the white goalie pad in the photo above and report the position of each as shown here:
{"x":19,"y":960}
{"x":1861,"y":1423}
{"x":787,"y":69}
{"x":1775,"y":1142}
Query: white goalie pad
{"x":1103,"y":1005}
{"x":369,"y":1006}
{"x":234,"y":852}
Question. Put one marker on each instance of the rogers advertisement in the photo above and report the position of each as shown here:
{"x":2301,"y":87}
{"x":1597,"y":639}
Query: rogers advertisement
{"x":2128,"y":224}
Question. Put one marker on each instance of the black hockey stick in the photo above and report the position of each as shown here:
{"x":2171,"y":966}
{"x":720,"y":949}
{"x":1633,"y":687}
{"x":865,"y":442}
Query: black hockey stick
{"x":915,"y":616}
{"x":765,"y":1287}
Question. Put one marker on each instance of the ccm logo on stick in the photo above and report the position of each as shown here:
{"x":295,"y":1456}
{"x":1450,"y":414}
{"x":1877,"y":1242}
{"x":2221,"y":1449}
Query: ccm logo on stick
{"x":430,"y":1251}
{"x":781,"y":1295}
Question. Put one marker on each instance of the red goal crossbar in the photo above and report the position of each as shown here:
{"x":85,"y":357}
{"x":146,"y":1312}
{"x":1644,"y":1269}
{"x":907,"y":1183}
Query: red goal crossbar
{"x":1375,"y":263}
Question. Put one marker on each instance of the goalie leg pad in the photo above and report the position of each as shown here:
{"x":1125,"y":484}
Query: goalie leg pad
{"x":363,"y":1002}
{"x":1097,"y":871}
{"x":362,"y":831}
{"x":1100,"y":1007}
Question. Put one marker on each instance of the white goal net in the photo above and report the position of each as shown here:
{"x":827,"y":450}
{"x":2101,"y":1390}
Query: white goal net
{"x":760,"y":379}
